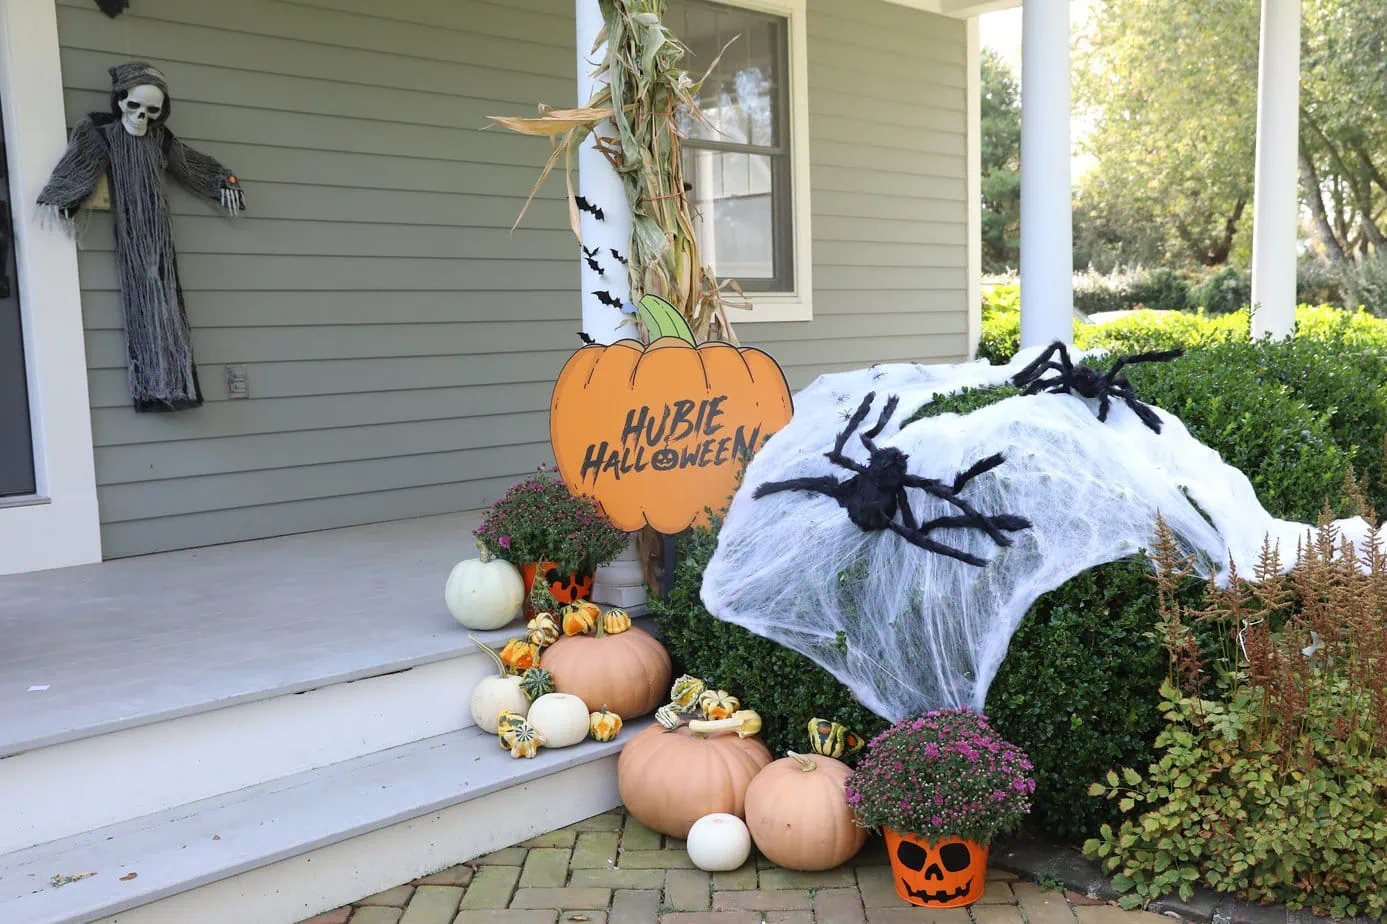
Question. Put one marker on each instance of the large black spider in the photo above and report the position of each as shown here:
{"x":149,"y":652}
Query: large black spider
{"x":1089,"y":382}
{"x":875,"y":492}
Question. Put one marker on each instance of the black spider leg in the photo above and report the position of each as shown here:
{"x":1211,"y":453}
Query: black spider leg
{"x":1031,"y":376}
{"x":885,"y":417}
{"x":1120,"y":387}
{"x":1123,"y":389}
{"x":835,"y":455}
{"x":820,"y":484}
{"x":971,"y":518}
{"x":915,"y":535}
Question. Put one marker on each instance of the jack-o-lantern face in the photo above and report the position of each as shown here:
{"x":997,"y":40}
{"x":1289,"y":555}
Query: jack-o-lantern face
{"x":947,"y":874}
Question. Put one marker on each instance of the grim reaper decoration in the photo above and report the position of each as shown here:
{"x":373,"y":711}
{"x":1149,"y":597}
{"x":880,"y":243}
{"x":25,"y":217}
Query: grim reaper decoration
{"x":134,"y":147}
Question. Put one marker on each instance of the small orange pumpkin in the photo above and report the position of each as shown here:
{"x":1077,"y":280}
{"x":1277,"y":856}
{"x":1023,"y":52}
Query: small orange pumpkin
{"x":694,"y":410}
{"x":670,"y":779}
{"x":520,"y":655}
{"x":629,"y":672}
{"x":798,"y":816}
{"x":580,"y":618}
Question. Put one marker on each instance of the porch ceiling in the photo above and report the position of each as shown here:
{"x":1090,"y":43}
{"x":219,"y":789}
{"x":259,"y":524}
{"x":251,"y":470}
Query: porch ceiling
{"x":958,"y":9}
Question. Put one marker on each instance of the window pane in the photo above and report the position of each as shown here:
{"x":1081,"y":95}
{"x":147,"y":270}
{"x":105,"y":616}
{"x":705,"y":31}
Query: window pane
{"x":740,"y":98}
{"x":734,"y":197}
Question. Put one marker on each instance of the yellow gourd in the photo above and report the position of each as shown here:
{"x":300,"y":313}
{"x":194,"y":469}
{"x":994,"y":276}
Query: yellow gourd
{"x":520,"y":655}
{"x":525,"y":741}
{"x":686,"y":691}
{"x":718,"y":704}
{"x":614,"y":622}
{"x":605,"y":724}
{"x":580,"y":618}
{"x":506,"y":724}
{"x":542,"y":630}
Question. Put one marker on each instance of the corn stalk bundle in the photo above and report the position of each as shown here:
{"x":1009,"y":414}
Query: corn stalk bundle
{"x":644,"y":93}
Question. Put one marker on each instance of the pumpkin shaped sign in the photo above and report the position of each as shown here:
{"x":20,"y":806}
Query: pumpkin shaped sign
{"x":656,"y":433}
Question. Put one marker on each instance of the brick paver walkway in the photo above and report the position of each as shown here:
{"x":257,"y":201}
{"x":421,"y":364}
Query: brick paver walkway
{"x":611,"y":869}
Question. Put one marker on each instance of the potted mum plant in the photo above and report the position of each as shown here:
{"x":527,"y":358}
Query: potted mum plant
{"x":941,"y":787}
{"x":545,"y":531}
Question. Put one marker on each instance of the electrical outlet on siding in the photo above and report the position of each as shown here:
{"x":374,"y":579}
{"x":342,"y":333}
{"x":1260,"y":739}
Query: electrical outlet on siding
{"x":237,"y":384}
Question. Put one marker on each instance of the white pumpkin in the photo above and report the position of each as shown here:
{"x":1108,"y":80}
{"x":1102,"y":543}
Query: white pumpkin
{"x":561,"y":719}
{"x":497,"y":694}
{"x":484,"y":593}
{"x":719,"y":842}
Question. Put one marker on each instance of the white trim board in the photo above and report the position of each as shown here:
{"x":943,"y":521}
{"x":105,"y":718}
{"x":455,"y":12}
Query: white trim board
{"x":974,"y":143}
{"x":797,"y":305}
{"x":59,"y":526}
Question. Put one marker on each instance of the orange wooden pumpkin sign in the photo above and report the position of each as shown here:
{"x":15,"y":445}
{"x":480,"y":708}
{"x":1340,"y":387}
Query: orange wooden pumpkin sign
{"x":656,"y":433}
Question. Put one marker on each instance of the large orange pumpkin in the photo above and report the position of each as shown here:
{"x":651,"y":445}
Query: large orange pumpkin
{"x":656,"y":433}
{"x":628,"y":673}
{"x":670,"y":779}
{"x":798,"y":816}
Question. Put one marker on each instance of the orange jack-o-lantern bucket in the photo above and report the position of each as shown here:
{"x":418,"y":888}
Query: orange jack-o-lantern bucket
{"x":942,"y":874}
{"x":566,"y":588}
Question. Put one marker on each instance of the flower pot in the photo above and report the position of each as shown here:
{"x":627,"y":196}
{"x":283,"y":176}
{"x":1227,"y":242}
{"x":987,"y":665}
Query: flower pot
{"x":949,"y":873}
{"x":566,"y":588}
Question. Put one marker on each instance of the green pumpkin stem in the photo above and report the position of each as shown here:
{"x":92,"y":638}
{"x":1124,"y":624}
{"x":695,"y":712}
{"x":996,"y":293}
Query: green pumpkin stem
{"x":500,"y":665}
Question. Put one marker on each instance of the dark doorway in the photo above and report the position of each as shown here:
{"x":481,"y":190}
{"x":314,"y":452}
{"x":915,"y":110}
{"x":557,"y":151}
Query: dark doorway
{"x":16,"y":442}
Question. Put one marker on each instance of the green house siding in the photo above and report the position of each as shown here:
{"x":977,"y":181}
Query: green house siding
{"x":399,"y":342}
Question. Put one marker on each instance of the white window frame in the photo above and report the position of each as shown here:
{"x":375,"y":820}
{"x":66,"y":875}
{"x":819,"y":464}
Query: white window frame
{"x":58,"y":525}
{"x":797,"y":304}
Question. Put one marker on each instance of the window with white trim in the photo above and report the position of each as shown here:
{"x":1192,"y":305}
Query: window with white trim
{"x":747,"y":159}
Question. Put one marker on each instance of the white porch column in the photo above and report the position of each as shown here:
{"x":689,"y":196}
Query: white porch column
{"x":1047,"y":258}
{"x":601,"y":186}
{"x":1276,"y":201}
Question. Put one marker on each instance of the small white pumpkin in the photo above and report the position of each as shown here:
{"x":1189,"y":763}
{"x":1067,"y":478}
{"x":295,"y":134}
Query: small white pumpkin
{"x":560,"y":718}
{"x":719,"y":842}
{"x":484,"y":593}
{"x":495,"y":695}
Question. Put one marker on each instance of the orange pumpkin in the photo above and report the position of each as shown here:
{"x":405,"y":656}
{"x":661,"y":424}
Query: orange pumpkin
{"x":949,"y":873}
{"x":629,"y":672}
{"x":798,"y":816}
{"x":656,"y":433}
{"x":670,"y":779}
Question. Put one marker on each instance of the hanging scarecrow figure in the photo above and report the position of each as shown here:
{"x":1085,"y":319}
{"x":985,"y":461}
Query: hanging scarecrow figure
{"x":133,"y":146}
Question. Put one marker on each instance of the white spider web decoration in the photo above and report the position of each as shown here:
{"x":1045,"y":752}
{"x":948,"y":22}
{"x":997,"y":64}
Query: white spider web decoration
{"x":908,"y":630}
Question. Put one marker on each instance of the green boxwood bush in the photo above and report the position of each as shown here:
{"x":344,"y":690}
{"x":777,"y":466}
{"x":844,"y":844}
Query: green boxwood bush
{"x":1079,"y":687}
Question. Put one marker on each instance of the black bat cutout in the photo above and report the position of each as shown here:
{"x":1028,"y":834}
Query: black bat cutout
{"x":607,"y":298}
{"x":113,"y":8}
{"x":583,"y":336}
{"x":619,"y":258}
{"x":586,"y":206}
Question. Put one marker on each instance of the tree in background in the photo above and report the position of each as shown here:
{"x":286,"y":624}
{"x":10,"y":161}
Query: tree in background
{"x":1343,"y":125}
{"x":1172,"y":89}
{"x":1001,"y":164}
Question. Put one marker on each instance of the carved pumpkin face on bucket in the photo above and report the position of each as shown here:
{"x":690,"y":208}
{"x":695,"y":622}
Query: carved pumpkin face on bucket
{"x":943,"y":874}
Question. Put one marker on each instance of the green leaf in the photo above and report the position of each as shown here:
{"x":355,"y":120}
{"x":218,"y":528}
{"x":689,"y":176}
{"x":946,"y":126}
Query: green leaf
{"x":661,"y":319}
{"x":1131,"y":776}
{"x":1123,"y":883}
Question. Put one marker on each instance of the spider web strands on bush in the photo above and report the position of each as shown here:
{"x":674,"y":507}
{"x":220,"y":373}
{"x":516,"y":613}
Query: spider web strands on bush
{"x":646,"y":89}
{"x":908,"y":631}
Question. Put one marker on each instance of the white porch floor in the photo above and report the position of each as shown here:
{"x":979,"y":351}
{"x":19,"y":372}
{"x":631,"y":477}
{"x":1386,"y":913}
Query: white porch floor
{"x":98,"y":648}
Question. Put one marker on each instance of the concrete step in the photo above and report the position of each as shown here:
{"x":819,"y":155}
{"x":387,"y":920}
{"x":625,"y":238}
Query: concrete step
{"x":295,"y":721}
{"x":287,"y":849}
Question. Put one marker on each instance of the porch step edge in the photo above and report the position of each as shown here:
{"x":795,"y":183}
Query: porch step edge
{"x":141,"y":861}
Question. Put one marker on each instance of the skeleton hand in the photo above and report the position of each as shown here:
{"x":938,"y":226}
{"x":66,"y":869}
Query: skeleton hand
{"x":233,"y":200}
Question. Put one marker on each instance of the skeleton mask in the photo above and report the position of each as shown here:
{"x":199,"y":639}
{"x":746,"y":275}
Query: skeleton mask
{"x":142,"y":104}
